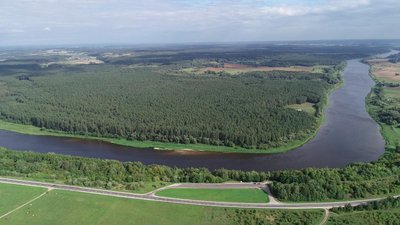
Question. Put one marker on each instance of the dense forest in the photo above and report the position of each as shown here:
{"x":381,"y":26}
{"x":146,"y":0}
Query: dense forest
{"x":247,"y":110}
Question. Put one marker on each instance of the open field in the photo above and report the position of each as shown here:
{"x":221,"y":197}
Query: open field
{"x":384,"y":70}
{"x":12,"y":196}
{"x":222,"y":195}
{"x":56,"y":207}
{"x":232,"y":68}
{"x":392,"y":92}
{"x":391,"y":134}
{"x":305,"y":107}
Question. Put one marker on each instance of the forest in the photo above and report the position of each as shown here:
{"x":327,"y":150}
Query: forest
{"x":157,"y":103}
{"x":250,"y":54}
{"x":359,"y":180}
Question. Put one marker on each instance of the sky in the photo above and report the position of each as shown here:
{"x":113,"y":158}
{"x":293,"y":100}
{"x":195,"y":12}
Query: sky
{"x":57,"y":22}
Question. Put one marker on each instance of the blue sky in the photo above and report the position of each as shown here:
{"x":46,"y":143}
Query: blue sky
{"x":41,"y":22}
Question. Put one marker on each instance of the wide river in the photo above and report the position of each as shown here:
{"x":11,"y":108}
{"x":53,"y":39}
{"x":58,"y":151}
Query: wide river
{"x":348,"y":135}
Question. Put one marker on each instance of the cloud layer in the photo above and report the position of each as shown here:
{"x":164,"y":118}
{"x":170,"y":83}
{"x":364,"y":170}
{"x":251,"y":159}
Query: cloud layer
{"x":25,"y":22}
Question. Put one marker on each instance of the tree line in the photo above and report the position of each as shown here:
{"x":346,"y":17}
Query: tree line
{"x":355,"y":181}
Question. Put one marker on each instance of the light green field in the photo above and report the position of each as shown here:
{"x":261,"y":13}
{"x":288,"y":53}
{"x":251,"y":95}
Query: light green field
{"x":392,"y":92}
{"x":32,"y":130}
{"x":391,"y":135}
{"x":72,"y":208}
{"x":223,"y":195}
{"x":12,"y":196}
{"x":391,"y":216}
{"x":305,"y":107}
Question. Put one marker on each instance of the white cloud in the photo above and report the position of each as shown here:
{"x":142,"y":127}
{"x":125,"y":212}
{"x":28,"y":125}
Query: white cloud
{"x":197,"y":20}
{"x":304,"y":9}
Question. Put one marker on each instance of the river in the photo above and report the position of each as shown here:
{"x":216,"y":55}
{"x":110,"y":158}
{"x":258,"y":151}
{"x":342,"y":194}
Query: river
{"x":347,"y":135}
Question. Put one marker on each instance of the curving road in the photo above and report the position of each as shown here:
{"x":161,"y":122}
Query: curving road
{"x":151,"y":197}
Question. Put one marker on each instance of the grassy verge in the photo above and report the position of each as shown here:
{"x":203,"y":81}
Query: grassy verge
{"x":220,"y":195}
{"x":64,"y":207}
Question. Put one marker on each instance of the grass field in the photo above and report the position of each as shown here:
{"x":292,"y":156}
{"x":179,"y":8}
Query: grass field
{"x":391,"y":216}
{"x":32,"y":130}
{"x":305,"y":107}
{"x":223,"y":195}
{"x":70,"y":208}
{"x":12,"y":196}
{"x":391,"y":135}
{"x":392,"y":92}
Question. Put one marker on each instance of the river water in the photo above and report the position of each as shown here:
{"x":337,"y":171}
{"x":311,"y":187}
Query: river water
{"x":348,"y":135}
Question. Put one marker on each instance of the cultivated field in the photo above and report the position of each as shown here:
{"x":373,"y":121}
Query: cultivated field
{"x":384,"y":70}
{"x":233,"y":68}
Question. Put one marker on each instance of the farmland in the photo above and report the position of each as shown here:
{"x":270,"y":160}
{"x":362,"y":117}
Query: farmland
{"x":384,"y":70}
{"x":233,"y":69}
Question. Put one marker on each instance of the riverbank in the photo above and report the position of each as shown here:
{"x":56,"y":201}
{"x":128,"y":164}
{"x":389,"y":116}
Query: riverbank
{"x":32,"y":130}
{"x":391,"y":133}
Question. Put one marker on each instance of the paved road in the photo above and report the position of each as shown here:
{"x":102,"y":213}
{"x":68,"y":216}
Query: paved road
{"x":151,"y":197}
